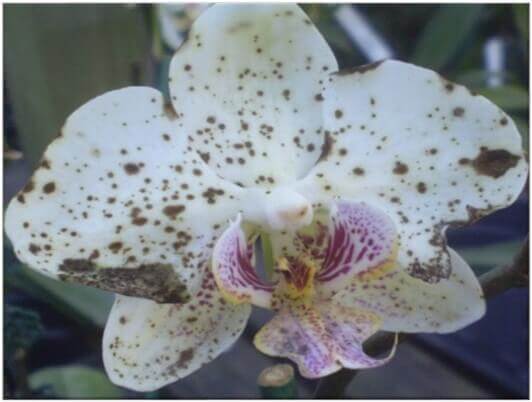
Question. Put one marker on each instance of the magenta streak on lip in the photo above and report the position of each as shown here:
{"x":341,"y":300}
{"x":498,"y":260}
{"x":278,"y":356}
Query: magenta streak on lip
{"x":340,"y":251}
{"x":361,"y":254}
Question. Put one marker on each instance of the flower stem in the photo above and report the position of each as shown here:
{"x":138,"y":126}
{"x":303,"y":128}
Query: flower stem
{"x":277,"y":382}
{"x":267,"y":253}
{"x":494,"y":282}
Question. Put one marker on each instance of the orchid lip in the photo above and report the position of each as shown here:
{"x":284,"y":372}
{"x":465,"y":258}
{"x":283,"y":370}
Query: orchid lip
{"x":360,"y":239}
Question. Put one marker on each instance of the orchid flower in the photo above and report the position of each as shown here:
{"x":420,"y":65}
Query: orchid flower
{"x":353,"y":175}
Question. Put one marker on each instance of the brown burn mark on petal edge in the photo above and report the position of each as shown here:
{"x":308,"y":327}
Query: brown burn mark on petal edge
{"x":157,"y":282}
{"x":45,"y":164}
{"x":439,"y":266}
{"x":28,"y":188}
{"x":360,"y":69}
{"x":495,"y":162}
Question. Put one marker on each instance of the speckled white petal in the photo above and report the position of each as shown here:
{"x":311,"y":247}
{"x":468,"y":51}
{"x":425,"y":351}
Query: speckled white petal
{"x":407,"y":304}
{"x":148,"y":345}
{"x":426,"y":151}
{"x":249,"y":82}
{"x":234,"y":271}
{"x":120,"y":204}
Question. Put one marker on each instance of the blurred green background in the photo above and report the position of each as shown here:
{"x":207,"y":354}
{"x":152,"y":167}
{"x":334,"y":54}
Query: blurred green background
{"x":56,"y":57}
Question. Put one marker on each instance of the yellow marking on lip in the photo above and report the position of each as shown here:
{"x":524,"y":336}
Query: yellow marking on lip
{"x":382,"y":269}
{"x":291,"y":289}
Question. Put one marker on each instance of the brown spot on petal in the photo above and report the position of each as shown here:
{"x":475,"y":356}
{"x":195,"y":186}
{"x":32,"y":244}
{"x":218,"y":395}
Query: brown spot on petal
{"x":115,"y":246}
{"x":184,"y":357}
{"x":458,"y":111}
{"x":131,"y":168}
{"x":495,"y":162}
{"x":421,"y":187}
{"x":173,"y":210}
{"x":34,"y":249}
{"x":205,"y":156}
{"x":139,"y":221}
{"x":94,"y":255}
{"x":400,"y":168}
{"x":48,"y":188}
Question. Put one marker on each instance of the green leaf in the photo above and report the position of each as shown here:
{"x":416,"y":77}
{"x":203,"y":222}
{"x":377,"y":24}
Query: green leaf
{"x":520,"y":12}
{"x":75,"y":382}
{"x":445,"y":33}
{"x":474,"y":78}
{"x":483,"y":258}
{"x":507,"y":97}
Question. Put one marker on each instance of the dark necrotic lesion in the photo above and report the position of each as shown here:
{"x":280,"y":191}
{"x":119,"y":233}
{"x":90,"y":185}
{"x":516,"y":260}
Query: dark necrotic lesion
{"x":157,"y":282}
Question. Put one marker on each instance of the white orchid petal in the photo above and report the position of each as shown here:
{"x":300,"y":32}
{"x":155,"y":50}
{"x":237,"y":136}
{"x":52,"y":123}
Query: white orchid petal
{"x":426,"y":151}
{"x":407,"y":304}
{"x":234,"y":270}
{"x":120,"y":204}
{"x":148,"y":345}
{"x":248,"y":84}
